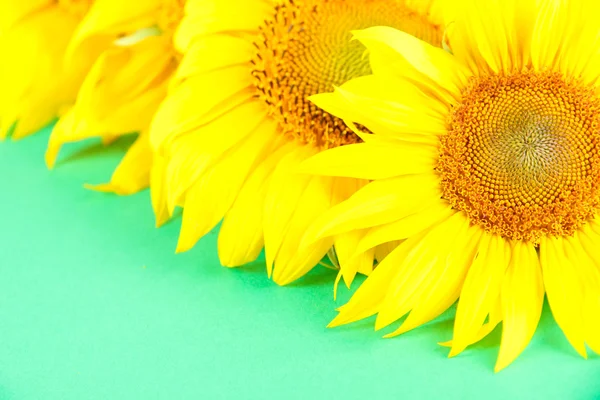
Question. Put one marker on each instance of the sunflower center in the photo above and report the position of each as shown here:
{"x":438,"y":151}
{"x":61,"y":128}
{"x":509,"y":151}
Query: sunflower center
{"x":522,"y":156}
{"x":306,"y":48}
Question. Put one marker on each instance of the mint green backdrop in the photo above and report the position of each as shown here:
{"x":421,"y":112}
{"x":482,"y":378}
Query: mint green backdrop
{"x":95,"y":305}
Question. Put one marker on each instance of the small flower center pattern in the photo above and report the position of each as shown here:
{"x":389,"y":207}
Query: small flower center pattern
{"x":522,"y":155}
{"x":306,"y":49}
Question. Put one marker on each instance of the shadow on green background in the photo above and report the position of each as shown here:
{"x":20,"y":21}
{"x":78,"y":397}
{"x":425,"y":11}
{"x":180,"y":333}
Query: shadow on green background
{"x":95,"y":305}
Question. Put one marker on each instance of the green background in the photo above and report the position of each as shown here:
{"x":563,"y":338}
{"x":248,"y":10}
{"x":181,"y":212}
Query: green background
{"x":95,"y":305}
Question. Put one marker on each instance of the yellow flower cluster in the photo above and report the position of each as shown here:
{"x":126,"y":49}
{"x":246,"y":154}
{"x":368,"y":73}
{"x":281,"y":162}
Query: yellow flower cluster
{"x":449,"y":150}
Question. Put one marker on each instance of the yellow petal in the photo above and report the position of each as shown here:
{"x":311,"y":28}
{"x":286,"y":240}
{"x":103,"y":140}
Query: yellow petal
{"x":213,"y":193}
{"x":499,"y":44}
{"x":442,"y":287}
{"x":208,"y":17}
{"x":105,"y":21}
{"x":241,"y":234}
{"x":214,"y":52}
{"x":377,"y":203}
{"x":158,"y":193}
{"x":368,"y":298}
{"x":423,"y":263}
{"x":394,"y":51}
{"x":581,"y":42}
{"x":574,"y":40}
{"x":292,"y":262}
{"x":198,"y":101}
{"x":522,"y":298}
{"x":582,"y":249}
{"x":191,"y":154}
{"x":34,"y":85}
{"x":494,"y":318}
{"x":63,"y":127}
{"x":480,"y":290}
{"x":115,"y":99}
{"x":564,"y":290}
{"x":373,"y":161}
{"x":133,"y":172}
{"x":384,"y":249}
{"x":12,"y":12}
{"x":429,"y":215}
{"x":283,"y":194}
{"x":412,"y":117}
{"x":350,"y":263}
{"x":116,"y":96}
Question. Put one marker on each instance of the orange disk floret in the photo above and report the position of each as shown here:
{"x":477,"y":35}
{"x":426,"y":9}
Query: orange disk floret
{"x":305,"y":49}
{"x":522,"y":155}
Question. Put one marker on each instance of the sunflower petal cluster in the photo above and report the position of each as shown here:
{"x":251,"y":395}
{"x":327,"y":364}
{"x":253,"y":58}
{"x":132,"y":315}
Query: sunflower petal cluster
{"x":233,"y":131}
{"x":492,"y":180}
{"x":447,"y":150}
{"x":36,"y":84}
{"x":135,"y":60}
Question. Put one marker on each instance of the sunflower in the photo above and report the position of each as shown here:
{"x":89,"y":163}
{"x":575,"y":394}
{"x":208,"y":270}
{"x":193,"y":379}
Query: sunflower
{"x":125,"y":85}
{"x":35,"y":83}
{"x":229,"y":137}
{"x":486,"y":165}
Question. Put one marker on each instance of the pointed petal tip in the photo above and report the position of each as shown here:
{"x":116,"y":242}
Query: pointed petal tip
{"x":454,"y":352}
{"x":582,"y":352}
{"x":399,"y":331}
{"x":279,"y":280}
{"x":336,"y":284}
{"x":160,"y":221}
{"x":348,"y":278}
{"x":504,"y":361}
{"x":269,"y":263}
{"x":171,"y":203}
{"x":320,"y":99}
{"x":456,"y":347}
{"x":103,"y":187}
{"x":183,"y":244}
{"x":335,"y":322}
{"x":51,"y":155}
{"x":161,"y":216}
{"x":308,"y":239}
{"x":230,"y":259}
{"x":230,"y":265}
{"x":379,"y":324}
{"x":285,"y":276}
{"x":19,"y":134}
{"x":499,"y":367}
{"x":313,"y":234}
{"x":383,"y":320}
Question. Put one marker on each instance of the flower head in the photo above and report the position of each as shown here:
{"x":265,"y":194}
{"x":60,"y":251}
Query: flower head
{"x":485,"y":165}
{"x":230,"y":135}
{"x":135,"y":60}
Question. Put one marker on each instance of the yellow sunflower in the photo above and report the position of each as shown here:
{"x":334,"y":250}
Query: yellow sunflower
{"x":34,"y":35}
{"x":229,"y":137}
{"x":125,"y":85}
{"x":486,"y":164}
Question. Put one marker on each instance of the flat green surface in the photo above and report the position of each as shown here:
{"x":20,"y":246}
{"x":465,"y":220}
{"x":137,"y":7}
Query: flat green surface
{"x":95,"y":305}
